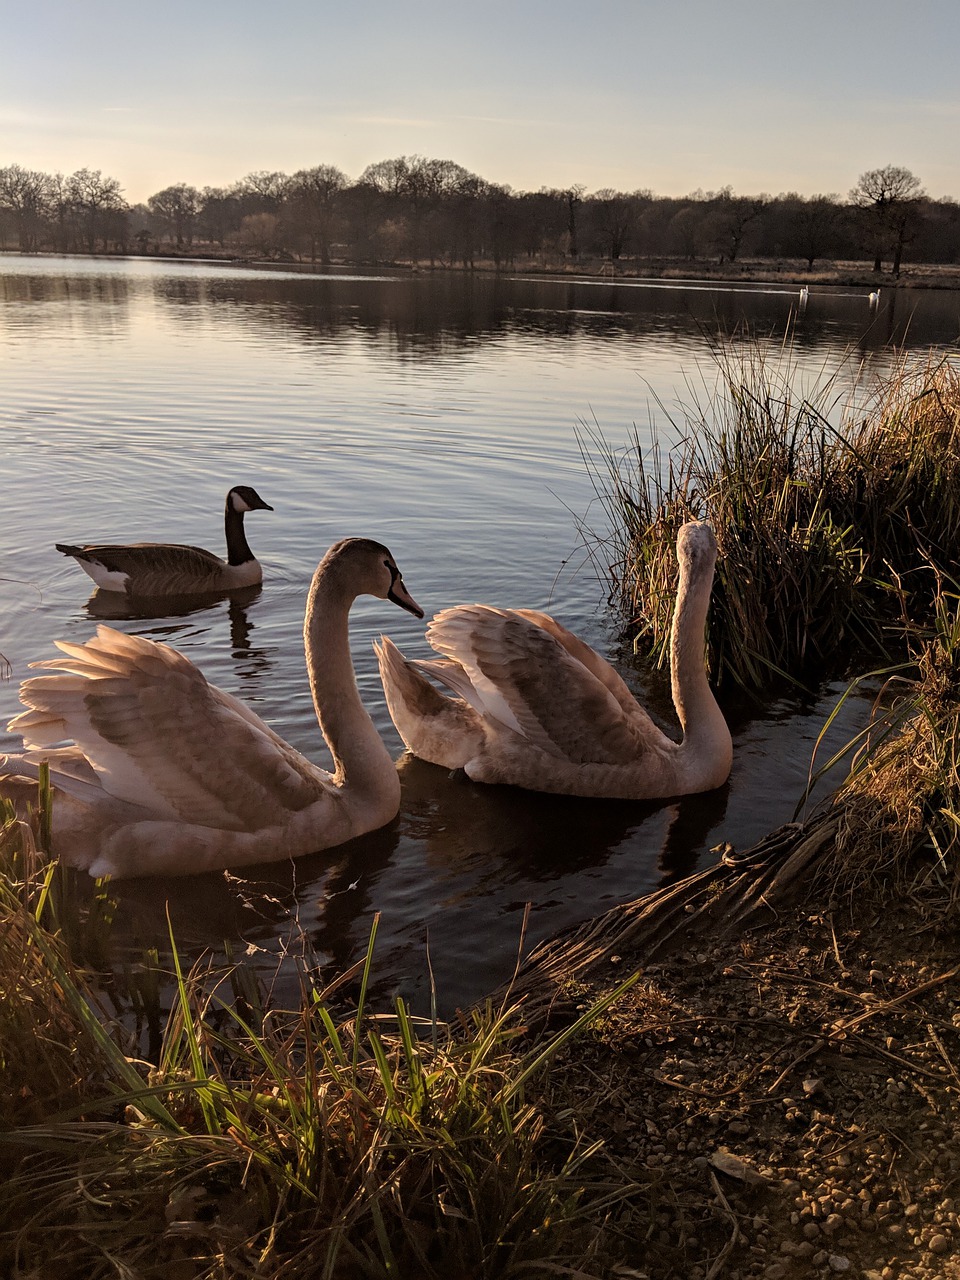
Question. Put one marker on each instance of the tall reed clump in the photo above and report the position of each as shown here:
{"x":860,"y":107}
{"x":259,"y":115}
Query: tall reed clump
{"x":899,"y":807}
{"x":267,"y":1142}
{"x":836,"y":514}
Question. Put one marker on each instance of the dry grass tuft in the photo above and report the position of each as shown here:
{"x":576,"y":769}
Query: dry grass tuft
{"x":899,"y":833}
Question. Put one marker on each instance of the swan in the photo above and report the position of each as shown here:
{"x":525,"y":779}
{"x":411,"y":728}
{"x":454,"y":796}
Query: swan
{"x":538,"y":708}
{"x":168,"y":775}
{"x":874,"y":298}
{"x":166,"y":568}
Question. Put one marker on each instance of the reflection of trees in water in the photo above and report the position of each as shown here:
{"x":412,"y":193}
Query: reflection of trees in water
{"x":94,"y":303}
{"x":435,"y":316}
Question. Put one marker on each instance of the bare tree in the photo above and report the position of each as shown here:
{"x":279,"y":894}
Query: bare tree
{"x":176,"y":209}
{"x":265,"y":188}
{"x":614,"y":216}
{"x":27,"y":195}
{"x":574,"y":198}
{"x":733,"y":214}
{"x":414,"y":189}
{"x":313,"y":193}
{"x":95,"y":201}
{"x":815,"y":226}
{"x":890,"y":200}
{"x":219,"y":215}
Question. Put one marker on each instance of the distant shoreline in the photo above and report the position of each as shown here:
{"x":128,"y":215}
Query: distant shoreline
{"x":748,"y":271}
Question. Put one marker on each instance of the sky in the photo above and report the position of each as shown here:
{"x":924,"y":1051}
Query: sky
{"x":671,"y":96}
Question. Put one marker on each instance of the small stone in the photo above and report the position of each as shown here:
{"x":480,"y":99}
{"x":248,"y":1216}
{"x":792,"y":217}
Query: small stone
{"x":811,"y":1231}
{"x":832,"y":1223}
{"x":776,"y":1271}
{"x":838,"y":1262}
{"x":939,"y":1244}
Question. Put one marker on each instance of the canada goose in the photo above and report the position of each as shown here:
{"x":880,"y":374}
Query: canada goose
{"x":538,"y":708}
{"x":168,"y":775}
{"x":166,"y":568}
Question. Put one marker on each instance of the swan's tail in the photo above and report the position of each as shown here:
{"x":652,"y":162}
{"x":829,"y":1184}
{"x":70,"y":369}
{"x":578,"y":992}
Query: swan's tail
{"x":442,"y":730}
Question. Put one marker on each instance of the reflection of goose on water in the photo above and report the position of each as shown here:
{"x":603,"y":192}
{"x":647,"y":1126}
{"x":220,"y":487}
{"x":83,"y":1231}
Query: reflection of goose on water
{"x":160,"y":568}
{"x":171,"y":776}
{"x":538,"y":708}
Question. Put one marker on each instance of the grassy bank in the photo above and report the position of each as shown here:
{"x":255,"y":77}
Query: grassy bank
{"x":319,"y":1141}
{"x":712,"y":1114}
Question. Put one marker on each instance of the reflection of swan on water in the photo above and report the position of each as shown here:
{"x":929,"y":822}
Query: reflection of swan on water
{"x":538,"y":708}
{"x":171,"y":776}
{"x":161,"y":568}
{"x":804,"y":296}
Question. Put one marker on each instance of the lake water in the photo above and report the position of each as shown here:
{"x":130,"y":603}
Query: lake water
{"x":443,"y":417}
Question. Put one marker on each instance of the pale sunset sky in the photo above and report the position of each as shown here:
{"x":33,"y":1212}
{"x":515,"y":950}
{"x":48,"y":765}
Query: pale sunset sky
{"x":667,"y":95}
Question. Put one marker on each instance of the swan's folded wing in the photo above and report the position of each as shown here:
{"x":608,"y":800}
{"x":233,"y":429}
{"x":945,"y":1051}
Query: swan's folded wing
{"x":160,"y":736}
{"x":595,"y":664}
{"x":528,"y":681}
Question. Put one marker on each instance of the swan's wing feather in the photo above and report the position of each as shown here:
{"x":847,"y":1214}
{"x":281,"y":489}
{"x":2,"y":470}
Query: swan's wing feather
{"x":559,"y":704}
{"x":158,"y":735}
{"x":595,"y":664}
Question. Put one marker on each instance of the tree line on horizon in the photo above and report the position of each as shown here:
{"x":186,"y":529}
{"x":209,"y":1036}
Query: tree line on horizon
{"x":419,"y":210}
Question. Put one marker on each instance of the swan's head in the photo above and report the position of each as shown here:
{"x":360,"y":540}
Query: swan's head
{"x":696,"y":547}
{"x":370,"y":570}
{"x":242,"y":498}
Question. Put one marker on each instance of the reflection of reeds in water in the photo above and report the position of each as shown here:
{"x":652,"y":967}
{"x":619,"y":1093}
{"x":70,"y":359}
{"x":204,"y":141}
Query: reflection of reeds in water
{"x":835,"y":519}
{"x":315,"y":1142}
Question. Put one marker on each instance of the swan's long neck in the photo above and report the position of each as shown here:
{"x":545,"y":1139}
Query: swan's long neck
{"x":238,"y":552}
{"x":362,"y":763}
{"x":706,"y":747}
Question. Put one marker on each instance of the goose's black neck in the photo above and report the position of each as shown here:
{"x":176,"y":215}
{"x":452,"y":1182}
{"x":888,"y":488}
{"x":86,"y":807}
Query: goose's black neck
{"x":238,"y":552}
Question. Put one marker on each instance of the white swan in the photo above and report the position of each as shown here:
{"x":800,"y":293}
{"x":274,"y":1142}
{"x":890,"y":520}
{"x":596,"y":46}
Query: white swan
{"x":170,"y":776}
{"x":874,"y":298}
{"x":538,"y":708}
{"x":167,"y":568}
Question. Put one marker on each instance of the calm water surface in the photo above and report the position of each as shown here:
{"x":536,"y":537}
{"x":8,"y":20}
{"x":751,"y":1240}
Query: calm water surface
{"x":441,"y":417}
